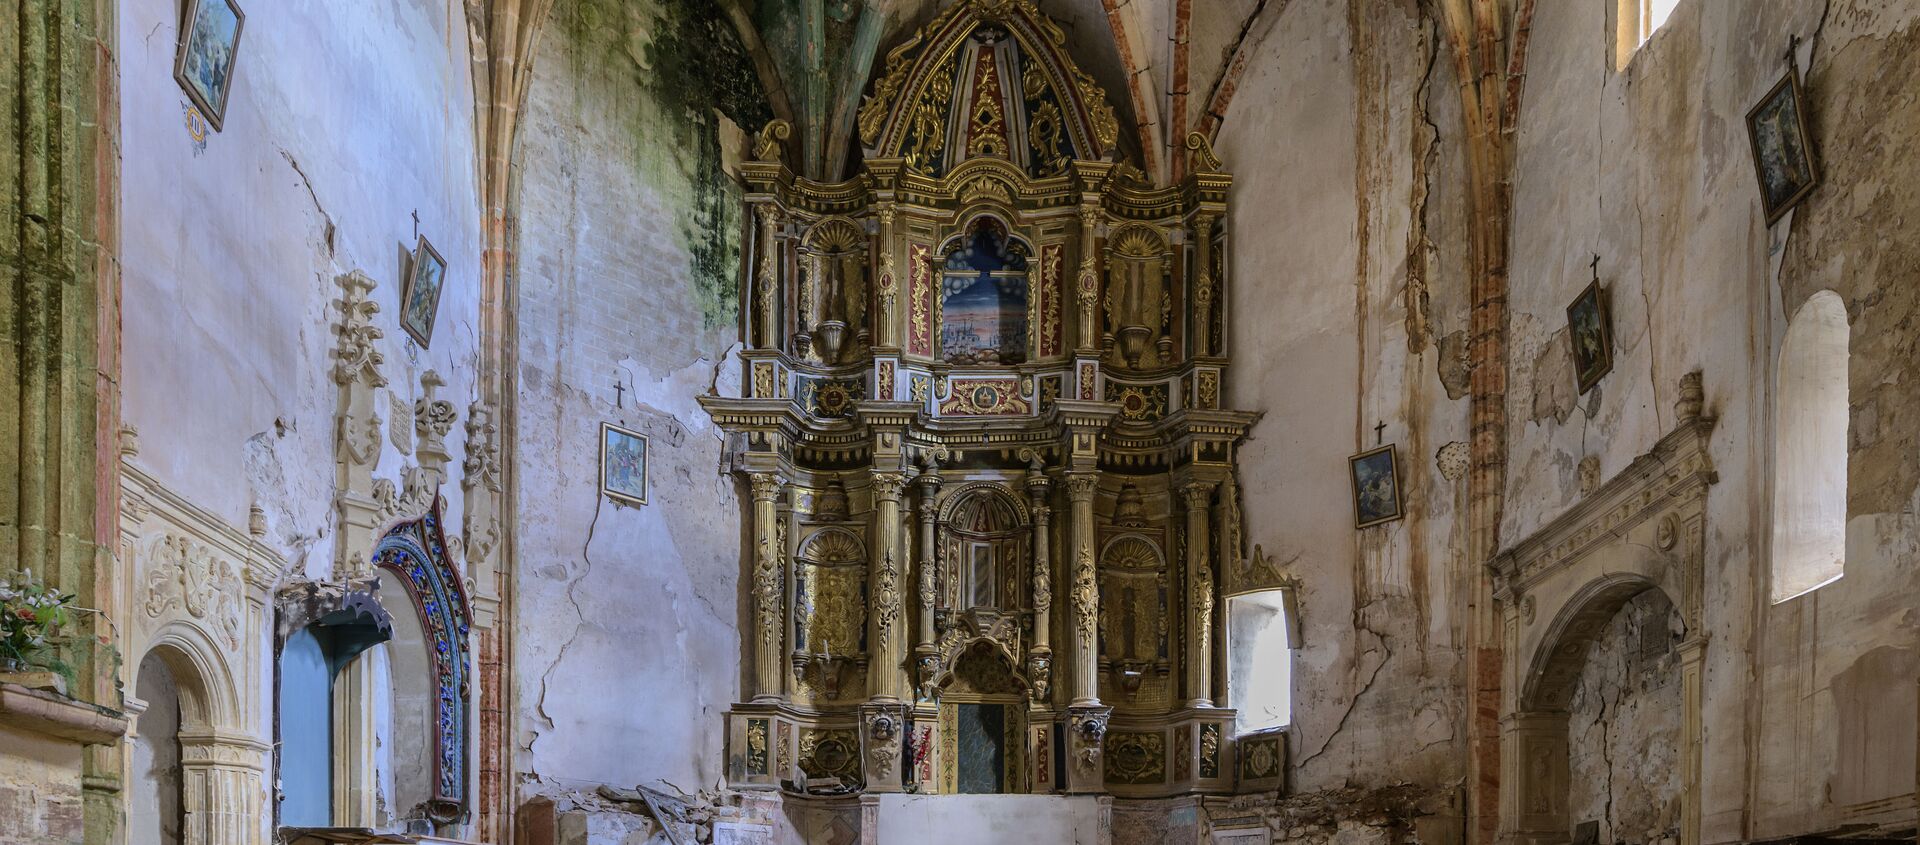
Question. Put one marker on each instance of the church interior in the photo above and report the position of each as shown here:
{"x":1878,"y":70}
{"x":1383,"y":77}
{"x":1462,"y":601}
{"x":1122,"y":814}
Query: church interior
{"x":871,"y":422}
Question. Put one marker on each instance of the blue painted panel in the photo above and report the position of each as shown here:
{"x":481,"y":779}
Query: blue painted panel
{"x":306,"y":733}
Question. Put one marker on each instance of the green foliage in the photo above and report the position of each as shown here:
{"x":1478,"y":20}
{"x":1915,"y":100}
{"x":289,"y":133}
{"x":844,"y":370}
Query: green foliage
{"x":31,"y":613}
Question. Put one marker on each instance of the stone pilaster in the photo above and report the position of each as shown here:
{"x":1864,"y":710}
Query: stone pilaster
{"x":1199,"y":655}
{"x":358,"y":432}
{"x":222,"y":787}
{"x":768,"y":589}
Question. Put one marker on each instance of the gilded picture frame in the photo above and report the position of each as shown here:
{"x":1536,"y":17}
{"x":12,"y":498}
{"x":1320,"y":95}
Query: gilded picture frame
{"x":204,"y":59}
{"x":623,"y":464}
{"x":1783,"y":159}
{"x":1376,"y":486}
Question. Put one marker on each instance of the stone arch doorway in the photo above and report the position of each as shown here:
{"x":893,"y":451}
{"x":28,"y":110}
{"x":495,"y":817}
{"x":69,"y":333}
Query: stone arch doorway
{"x":1598,"y":720}
{"x":189,"y":755}
{"x":1561,"y":589}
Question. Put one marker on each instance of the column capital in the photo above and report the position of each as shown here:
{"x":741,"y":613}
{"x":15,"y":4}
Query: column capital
{"x":1080,"y":485}
{"x":888,"y":485}
{"x":1198,"y":493}
{"x":766,"y":486}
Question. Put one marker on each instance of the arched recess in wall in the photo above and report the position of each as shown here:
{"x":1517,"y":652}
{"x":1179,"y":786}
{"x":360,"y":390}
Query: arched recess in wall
{"x":429,"y":662}
{"x":1549,"y":801}
{"x":1810,"y":418}
{"x":184,"y":752}
{"x":156,"y":812}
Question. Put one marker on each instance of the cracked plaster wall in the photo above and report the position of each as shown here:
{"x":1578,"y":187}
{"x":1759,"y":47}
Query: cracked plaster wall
{"x":1650,"y":168}
{"x":627,"y":619}
{"x":346,"y":119}
{"x":1349,"y":289}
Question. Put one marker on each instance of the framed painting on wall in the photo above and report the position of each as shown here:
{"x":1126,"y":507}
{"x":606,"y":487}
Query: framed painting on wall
{"x":623,"y":464}
{"x":420,"y":301}
{"x":1376,"y":486}
{"x":209,"y":41}
{"x":1590,"y":328}
{"x":1782,"y":147}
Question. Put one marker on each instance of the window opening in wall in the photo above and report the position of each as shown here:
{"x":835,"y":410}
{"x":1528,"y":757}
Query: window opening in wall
{"x":1810,"y":450}
{"x":1653,"y":14}
{"x":1259,"y":660}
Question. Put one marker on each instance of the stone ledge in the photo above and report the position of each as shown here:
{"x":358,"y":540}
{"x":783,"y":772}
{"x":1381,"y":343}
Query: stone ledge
{"x":58,"y":716}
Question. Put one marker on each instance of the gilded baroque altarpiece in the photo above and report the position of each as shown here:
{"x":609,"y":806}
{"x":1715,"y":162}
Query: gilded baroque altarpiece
{"x":992,"y":480}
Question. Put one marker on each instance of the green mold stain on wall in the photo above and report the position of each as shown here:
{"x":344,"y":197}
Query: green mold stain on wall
{"x":669,"y":66}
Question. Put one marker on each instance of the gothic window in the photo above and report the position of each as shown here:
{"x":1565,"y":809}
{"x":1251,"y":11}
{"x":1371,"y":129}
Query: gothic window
{"x":1810,"y":419}
{"x":1259,"y":660}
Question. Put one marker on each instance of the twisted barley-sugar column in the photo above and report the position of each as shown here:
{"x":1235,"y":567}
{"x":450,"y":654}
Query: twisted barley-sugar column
{"x":1199,"y":659}
{"x":1086,"y":594}
{"x":768,"y":582}
{"x":885,"y":680}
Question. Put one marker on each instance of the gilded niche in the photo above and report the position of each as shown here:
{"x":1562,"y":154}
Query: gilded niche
{"x":830,"y":594}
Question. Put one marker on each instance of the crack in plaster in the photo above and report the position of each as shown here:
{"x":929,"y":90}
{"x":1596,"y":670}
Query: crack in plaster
{"x":546,"y":677}
{"x":327,"y":232}
{"x":1353,"y":703}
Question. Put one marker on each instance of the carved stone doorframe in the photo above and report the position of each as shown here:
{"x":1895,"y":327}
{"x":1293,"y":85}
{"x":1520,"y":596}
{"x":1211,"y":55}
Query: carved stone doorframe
{"x":1645,"y":529}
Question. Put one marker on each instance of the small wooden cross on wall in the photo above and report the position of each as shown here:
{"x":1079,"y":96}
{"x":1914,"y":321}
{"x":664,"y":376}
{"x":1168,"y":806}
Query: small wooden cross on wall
{"x":619,"y":394}
{"x":1380,"y":433}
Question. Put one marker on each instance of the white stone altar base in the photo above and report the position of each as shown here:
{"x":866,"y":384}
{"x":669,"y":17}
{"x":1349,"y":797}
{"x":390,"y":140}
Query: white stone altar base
{"x":990,"y":820}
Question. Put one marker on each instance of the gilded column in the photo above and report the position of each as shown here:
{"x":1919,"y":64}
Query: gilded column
{"x":767,"y":275}
{"x":884,"y":675}
{"x":1086,"y":593}
{"x":1202,"y":323}
{"x":1040,"y":659}
{"x":926,"y":657}
{"x":886,"y":334}
{"x":1199,"y":658}
{"x":1088,"y":283}
{"x":768,"y":581}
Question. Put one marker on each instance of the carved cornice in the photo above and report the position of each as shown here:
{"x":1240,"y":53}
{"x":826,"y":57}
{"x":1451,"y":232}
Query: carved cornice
{"x":143,"y":497}
{"x":1673,"y":475}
